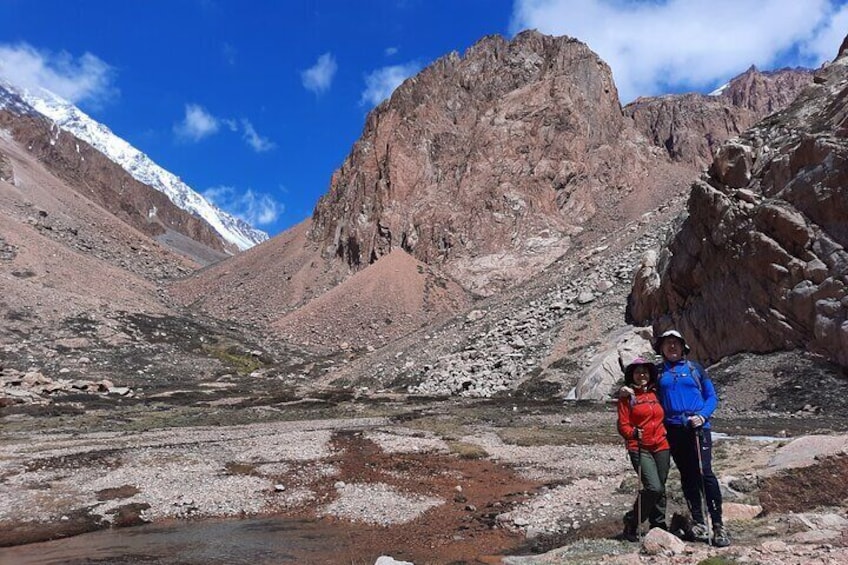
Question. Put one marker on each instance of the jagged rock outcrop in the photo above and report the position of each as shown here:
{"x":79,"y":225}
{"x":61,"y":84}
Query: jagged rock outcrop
{"x":761,"y":265}
{"x":691,"y":126}
{"x":485,"y":164}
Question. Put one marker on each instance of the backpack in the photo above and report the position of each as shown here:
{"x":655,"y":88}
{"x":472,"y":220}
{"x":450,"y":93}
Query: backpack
{"x":697,"y":372}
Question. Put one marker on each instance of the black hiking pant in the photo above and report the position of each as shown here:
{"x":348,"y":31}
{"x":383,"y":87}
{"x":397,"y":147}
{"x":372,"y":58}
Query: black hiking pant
{"x":684,"y":450}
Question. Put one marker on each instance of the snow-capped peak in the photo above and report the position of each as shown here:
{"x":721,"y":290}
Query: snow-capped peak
{"x":70,"y":118}
{"x":720,"y":90}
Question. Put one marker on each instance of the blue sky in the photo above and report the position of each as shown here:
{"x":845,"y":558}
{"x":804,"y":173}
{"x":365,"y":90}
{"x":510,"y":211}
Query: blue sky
{"x":256,"y":103}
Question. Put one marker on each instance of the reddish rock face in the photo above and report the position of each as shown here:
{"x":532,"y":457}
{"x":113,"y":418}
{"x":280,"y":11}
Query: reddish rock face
{"x":761,"y":265}
{"x":484,"y":164}
{"x":690,"y":126}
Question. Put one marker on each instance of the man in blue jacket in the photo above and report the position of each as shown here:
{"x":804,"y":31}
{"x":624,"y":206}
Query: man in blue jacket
{"x":689,"y":399}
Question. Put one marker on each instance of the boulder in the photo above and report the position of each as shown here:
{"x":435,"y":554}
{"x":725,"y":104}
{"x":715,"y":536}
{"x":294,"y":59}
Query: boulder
{"x":660,"y":542}
{"x":605,"y":370}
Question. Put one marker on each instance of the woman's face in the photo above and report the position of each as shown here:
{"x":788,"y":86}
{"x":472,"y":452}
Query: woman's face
{"x":672,"y":349}
{"x":641,"y":376}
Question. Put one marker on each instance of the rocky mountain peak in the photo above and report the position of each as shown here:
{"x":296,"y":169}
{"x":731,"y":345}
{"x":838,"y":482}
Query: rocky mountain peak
{"x":690,"y":126}
{"x":479,"y":163}
{"x":236,"y":233}
{"x":764,"y":93}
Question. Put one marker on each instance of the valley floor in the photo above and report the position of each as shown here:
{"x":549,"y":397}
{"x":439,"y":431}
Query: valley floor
{"x":421,"y":480}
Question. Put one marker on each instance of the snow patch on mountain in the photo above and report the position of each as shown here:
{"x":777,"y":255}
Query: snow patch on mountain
{"x":73,"y":120}
{"x":720,"y":90}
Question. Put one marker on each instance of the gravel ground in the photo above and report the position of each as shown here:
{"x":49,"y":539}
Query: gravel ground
{"x":404,"y":485}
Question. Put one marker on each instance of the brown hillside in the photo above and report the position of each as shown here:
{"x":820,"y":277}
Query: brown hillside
{"x":64,"y":255}
{"x":391,"y":298}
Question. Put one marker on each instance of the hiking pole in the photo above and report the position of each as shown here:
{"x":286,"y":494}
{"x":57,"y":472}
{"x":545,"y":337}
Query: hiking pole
{"x":639,"y":490}
{"x":699,"y":436}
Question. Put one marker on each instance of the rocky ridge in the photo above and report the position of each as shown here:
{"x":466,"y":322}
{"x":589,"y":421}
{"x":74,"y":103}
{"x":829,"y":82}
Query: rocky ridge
{"x":87,"y":171}
{"x":760,"y":264}
{"x":233,"y":232}
{"x":515,"y":137}
{"x":689,"y":127}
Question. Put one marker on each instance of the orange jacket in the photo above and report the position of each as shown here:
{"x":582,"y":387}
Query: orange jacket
{"x":642,"y":411}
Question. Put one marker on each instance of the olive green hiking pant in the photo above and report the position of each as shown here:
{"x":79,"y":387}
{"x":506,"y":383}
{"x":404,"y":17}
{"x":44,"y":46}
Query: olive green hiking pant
{"x":654,"y":468}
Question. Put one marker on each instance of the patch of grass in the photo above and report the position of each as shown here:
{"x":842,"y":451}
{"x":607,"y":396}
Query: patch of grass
{"x":446,"y":428}
{"x":241,"y":362}
{"x":117,"y":493}
{"x":534,"y":436}
{"x":467,"y":450}
{"x":566,"y":364}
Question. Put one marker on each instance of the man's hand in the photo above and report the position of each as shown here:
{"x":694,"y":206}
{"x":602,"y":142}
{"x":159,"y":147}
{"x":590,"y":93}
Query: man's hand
{"x":626,"y":391}
{"x":637,"y":433}
{"x":696,"y":421}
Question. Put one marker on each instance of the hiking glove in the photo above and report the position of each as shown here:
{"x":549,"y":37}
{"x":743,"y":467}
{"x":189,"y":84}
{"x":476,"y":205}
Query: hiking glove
{"x":696,"y":421}
{"x":637,"y":433}
{"x":625,"y":391}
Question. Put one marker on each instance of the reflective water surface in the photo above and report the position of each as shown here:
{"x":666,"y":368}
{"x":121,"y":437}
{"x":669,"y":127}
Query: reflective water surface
{"x":255,"y":542}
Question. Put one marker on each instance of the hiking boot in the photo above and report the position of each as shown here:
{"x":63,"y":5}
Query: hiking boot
{"x":699,"y":533}
{"x":720,"y":536}
{"x":631,"y":530}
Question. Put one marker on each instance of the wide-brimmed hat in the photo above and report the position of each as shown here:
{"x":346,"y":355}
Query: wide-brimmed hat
{"x":670,"y":333}
{"x":631,"y":367}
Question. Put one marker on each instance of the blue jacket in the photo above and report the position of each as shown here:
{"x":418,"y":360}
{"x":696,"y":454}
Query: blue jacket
{"x":684,"y":390}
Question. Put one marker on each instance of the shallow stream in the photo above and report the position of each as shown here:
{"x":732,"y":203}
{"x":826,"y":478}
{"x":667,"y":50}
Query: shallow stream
{"x":254,"y":541}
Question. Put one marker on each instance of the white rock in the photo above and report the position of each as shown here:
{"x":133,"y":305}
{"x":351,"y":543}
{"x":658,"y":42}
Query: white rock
{"x":386,"y":560}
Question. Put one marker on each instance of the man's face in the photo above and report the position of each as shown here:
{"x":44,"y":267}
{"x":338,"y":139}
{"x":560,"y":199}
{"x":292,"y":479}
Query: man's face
{"x":672,"y":348}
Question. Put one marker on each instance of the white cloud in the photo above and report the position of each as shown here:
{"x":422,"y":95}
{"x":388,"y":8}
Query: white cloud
{"x":660,"y":45}
{"x":254,"y":208}
{"x":86,"y":79}
{"x":825,"y":41}
{"x":391,"y":51}
{"x":258,"y":143}
{"x":197,"y":124}
{"x":319,"y":76}
{"x":380,"y":84}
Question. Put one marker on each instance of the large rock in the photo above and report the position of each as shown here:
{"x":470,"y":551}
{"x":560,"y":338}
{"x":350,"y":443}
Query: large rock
{"x":661,"y":542}
{"x":806,"y":451}
{"x":764,"y":268}
{"x":486,"y":163}
{"x":605,"y":370}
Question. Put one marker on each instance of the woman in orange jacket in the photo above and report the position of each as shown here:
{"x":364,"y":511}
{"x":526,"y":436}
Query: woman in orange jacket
{"x":640,"y":423}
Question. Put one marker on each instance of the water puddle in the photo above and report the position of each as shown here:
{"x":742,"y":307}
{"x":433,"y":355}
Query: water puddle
{"x":255,"y":542}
